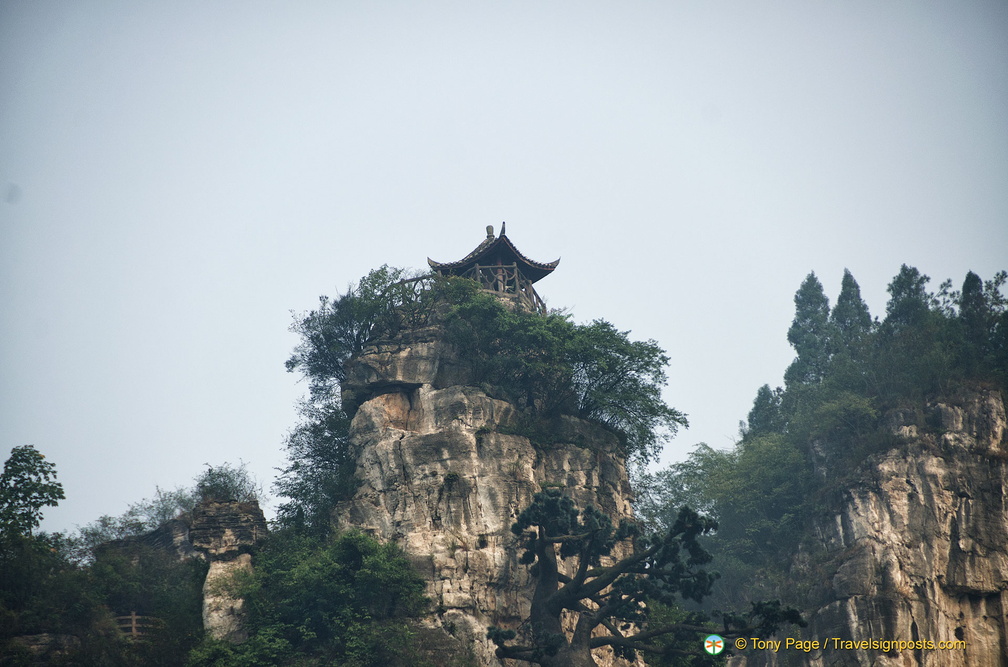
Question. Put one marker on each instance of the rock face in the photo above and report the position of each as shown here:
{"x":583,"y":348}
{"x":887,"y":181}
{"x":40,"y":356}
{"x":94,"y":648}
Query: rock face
{"x":225,"y":532}
{"x":440,"y":478}
{"x":919,"y":548}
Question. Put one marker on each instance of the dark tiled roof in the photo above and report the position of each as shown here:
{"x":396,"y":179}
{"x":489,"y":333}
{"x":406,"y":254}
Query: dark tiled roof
{"x":493,"y":251}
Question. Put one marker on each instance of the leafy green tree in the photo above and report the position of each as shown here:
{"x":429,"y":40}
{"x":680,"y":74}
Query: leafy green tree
{"x":810,"y":334}
{"x":344,"y":601}
{"x":28,"y":484}
{"x":227,"y":482}
{"x":320,"y":471}
{"x":612,"y":598}
{"x":341,"y":328}
{"x":618,"y":384}
{"x":549,"y":365}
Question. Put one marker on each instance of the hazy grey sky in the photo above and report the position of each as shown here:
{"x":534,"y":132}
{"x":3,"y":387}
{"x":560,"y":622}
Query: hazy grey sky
{"x":177,"y":177}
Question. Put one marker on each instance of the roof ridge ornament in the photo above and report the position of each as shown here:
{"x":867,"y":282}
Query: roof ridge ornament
{"x":499,"y":267}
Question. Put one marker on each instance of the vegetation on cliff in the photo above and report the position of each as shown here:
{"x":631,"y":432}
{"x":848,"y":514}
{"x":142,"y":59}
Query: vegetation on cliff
{"x":547,"y":365}
{"x":67,"y":593}
{"x":614,"y":601}
{"x":850,"y":371}
{"x":315,"y":601}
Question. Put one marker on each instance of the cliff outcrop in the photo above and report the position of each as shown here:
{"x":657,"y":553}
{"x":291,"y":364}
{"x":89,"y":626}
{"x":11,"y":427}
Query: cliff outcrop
{"x":441,"y":475}
{"x":917,"y":550}
{"x":226,"y":533}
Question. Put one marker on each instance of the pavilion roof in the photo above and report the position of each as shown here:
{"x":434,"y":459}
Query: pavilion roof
{"x":499,"y":251}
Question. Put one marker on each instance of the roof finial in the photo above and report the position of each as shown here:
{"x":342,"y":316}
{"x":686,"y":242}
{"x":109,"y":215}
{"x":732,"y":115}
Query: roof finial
{"x":502,"y":228}
{"x":489,"y":231}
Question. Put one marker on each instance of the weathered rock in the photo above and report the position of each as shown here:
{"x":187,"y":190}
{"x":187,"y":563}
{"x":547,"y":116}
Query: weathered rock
{"x":918,"y":551}
{"x":409,"y":362}
{"x":440,"y":478}
{"x":224,"y":612}
{"x":222,"y":530}
{"x":226,"y":532}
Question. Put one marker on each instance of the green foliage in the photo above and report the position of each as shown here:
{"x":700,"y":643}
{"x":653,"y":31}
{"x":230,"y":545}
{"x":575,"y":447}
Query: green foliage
{"x":131,"y":576}
{"x":312,"y":601}
{"x":141,"y":517}
{"x":660,"y":570}
{"x":766,"y":415}
{"x":809,"y":334}
{"x":759,"y":493}
{"x":803,"y":442}
{"x":320,"y":472}
{"x":341,"y":328}
{"x":549,"y":365}
{"x":227,"y":482}
{"x":28,"y":484}
{"x":45,"y":589}
{"x":850,"y":317}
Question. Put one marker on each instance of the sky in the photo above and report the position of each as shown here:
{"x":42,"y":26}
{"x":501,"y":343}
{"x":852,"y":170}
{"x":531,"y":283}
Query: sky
{"x":177,"y":179}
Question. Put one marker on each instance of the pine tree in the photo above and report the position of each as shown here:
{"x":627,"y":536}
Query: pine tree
{"x":909,"y":300}
{"x":850,"y":317}
{"x":765,"y":416}
{"x":810,"y":334}
{"x":974,"y":316}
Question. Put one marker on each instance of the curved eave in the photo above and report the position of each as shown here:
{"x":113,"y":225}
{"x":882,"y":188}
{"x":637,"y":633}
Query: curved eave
{"x":500,"y":251}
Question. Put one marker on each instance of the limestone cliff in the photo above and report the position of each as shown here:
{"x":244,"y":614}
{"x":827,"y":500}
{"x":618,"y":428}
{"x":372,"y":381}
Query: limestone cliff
{"x":918,"y":548}
{"x":226,"y":533}
{"x":440,"y":476}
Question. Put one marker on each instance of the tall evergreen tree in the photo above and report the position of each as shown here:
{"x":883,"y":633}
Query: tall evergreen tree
{"x":915,"y":351}
{"x":765,"y":416}
{"x":852,"y":328}
{"x":974,"y":316}
{"x":850,"y":317}
{"x":809,"y":334}
{"x":909,"y":300}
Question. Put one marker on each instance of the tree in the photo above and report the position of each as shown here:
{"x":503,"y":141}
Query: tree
{"x":915,"y":348}
{"x":344,"y":601}
{"x":614,"y":598}
{"x":909,"y":300}
{"x":810,"y":334}
{"x":320,"y":471}
{"x":28,"y":484}
{"x":341,"y":328}
{"x":975,"y":318}
{"x":766,"y":416}
{"x":850,"y":318}
{"x":549,"y":365}
{"x":227,"y":482}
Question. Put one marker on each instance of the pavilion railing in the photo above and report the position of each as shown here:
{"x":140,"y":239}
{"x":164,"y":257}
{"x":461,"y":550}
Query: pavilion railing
{"x":507,"y":281}
{"x":135,"y":626}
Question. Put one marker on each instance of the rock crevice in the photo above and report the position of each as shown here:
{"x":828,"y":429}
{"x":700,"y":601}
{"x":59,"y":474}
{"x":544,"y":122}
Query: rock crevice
{"x":439,"y":477}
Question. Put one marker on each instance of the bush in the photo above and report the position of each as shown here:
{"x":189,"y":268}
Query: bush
{"x":227,"y":482}
{"x":311,"y":601}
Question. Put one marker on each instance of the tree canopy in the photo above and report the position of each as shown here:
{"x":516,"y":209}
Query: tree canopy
{"x":612,"y":594}
{"x":546,"y":364}
{"x":27,"y":484}
{"x":803,"y":440}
